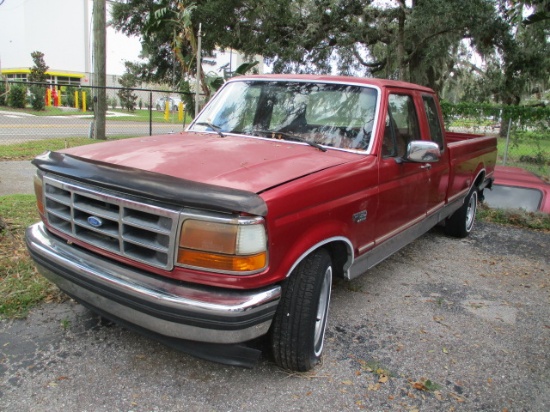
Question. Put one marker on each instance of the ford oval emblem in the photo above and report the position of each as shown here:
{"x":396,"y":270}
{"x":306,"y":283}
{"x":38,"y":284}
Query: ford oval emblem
{"x":95,"y":221}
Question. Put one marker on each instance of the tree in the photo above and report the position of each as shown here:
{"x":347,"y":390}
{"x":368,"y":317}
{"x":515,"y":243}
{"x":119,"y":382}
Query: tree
{"x":519,"y":68}
{"x":422,"y":41}
{"x":168,"y":29}
{"x":38,"y":71}
{"x":127,"y":97}
{"x":38,"y":75}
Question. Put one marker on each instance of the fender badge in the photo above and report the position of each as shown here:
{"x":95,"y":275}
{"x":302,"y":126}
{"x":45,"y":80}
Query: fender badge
{"x":95,"y":221}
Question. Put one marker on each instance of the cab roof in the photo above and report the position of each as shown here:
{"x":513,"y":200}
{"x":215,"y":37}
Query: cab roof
{"x":322,"y":78}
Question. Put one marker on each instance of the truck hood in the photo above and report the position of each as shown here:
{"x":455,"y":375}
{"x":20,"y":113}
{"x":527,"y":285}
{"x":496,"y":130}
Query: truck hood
{"x":238,"y":162}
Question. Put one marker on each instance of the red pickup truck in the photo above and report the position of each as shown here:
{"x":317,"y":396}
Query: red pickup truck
{"x":235,"y":228}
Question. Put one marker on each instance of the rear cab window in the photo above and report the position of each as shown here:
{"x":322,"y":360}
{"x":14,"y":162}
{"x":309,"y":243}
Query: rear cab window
{"x":434,"y":122}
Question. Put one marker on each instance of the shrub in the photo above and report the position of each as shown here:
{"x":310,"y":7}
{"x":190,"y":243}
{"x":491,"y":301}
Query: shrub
{"x":2,"y":93}
{"x":37,"y":97}
{"x":17,"y":96}
{"x":68,"y":99}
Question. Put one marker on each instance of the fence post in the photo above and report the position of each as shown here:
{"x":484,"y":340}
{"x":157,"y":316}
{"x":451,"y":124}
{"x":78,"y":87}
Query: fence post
{"x":507,"y":141}
{"x":150,"y":113}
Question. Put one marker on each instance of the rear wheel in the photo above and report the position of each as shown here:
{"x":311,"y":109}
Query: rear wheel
{"x":298,"y":329}
{"x":461,"y":222}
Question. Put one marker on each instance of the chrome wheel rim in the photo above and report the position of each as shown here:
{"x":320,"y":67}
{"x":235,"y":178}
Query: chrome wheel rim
{"x":471,"y":212}
{"x":322,"y":312}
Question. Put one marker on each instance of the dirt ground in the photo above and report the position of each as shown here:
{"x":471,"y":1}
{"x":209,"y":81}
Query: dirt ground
{"x":443,"y":325}
{"x":16,"y":177}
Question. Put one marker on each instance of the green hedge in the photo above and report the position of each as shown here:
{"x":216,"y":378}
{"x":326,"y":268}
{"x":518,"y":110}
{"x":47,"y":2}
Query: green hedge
{"x":532,"y":116}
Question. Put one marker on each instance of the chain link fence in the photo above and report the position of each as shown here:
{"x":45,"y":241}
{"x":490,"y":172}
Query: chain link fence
{"x":523,"y":131}
{"x":39,"y":111}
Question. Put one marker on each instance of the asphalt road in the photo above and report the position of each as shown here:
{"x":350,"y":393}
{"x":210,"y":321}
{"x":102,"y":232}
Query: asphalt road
{"x":443,"y":325}
{"x":18,"y":127}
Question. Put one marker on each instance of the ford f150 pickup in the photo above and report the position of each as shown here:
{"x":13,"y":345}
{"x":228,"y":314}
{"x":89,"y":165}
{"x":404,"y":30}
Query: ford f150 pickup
{"x":235,"y":228}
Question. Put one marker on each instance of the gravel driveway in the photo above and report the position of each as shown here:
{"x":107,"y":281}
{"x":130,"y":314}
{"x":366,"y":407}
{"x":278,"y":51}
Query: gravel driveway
{"x":444,"y":325}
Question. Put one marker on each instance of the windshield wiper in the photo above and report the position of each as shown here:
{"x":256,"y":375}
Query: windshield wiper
{"x":217,"y":129}
{"x":287,"y":136}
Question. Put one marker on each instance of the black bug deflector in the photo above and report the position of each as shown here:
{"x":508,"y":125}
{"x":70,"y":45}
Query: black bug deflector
{"x":155,"y":186}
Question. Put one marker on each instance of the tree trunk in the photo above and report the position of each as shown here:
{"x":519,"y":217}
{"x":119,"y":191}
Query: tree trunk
{"x":401,"y":70}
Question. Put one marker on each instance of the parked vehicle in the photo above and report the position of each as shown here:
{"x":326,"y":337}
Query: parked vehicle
{"x":516,"y":188}
{"x":173,"y":103}
{"x":236,"y":228}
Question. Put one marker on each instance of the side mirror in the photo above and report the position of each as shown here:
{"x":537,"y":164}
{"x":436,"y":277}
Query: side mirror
{"x":421,"y":151}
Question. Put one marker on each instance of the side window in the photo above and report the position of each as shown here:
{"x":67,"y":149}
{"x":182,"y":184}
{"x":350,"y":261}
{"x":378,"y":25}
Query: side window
{"x":436,"y":131}
{"x":401,"y":125}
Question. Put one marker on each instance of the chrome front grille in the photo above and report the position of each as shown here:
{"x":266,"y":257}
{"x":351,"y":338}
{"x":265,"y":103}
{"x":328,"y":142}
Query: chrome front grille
{"x":118,"y":224}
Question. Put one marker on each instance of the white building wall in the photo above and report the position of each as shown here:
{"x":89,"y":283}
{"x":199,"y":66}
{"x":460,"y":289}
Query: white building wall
{"x":54,"y":27}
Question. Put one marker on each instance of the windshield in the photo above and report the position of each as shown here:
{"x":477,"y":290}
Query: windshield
{"x":333,"y":115}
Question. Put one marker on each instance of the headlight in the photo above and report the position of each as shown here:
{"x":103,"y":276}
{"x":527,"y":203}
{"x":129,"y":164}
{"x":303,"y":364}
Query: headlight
{"x":238,"y":246}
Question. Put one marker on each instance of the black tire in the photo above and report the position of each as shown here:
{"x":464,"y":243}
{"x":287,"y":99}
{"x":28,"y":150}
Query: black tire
{"x":175,"y":108}
{"x":298,"y":329}
{"x":461,"y":222}
{"x":158,"y":108}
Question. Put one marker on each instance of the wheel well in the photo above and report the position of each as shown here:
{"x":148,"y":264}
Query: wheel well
{"x":340,"y":255}
{"x":478,"y":184}
{"x":479,"y":179}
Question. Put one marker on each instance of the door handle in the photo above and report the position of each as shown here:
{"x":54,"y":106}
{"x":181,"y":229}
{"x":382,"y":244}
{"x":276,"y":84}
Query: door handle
{"x":427,"y":166}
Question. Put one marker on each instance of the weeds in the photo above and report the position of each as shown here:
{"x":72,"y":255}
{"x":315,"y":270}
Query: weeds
{"x":518,"y":218}
{"x":21,"y":287}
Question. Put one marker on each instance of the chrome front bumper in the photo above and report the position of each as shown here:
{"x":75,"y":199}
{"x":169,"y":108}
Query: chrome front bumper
{"x":164,"y":306}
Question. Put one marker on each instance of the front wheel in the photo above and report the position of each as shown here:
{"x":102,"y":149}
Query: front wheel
{"x":298,"y":330}
{"x":461,"y":222}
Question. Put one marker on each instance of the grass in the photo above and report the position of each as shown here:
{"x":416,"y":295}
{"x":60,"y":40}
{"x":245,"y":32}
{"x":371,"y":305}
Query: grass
{"x":21,"y":287}
{"x":517,"y":218}
{"x":29,"y":150}
{"x":528,"y":149}
{"x":471,"y":123}
{"x":142,"y":115}
{"x":532,"y":154}
{"x":48,"y":111}
{"x":139,"y":115}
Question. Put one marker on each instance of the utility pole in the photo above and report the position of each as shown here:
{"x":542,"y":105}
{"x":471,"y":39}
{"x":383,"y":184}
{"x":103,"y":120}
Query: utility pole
{"x":100,"y":63}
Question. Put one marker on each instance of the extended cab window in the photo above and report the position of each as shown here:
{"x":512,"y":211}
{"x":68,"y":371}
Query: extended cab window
{"x":401,"y":125}
{"x":436,"y":131}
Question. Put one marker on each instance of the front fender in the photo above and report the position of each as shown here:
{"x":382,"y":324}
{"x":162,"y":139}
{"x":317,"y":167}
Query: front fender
{"x":331,"y":234}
